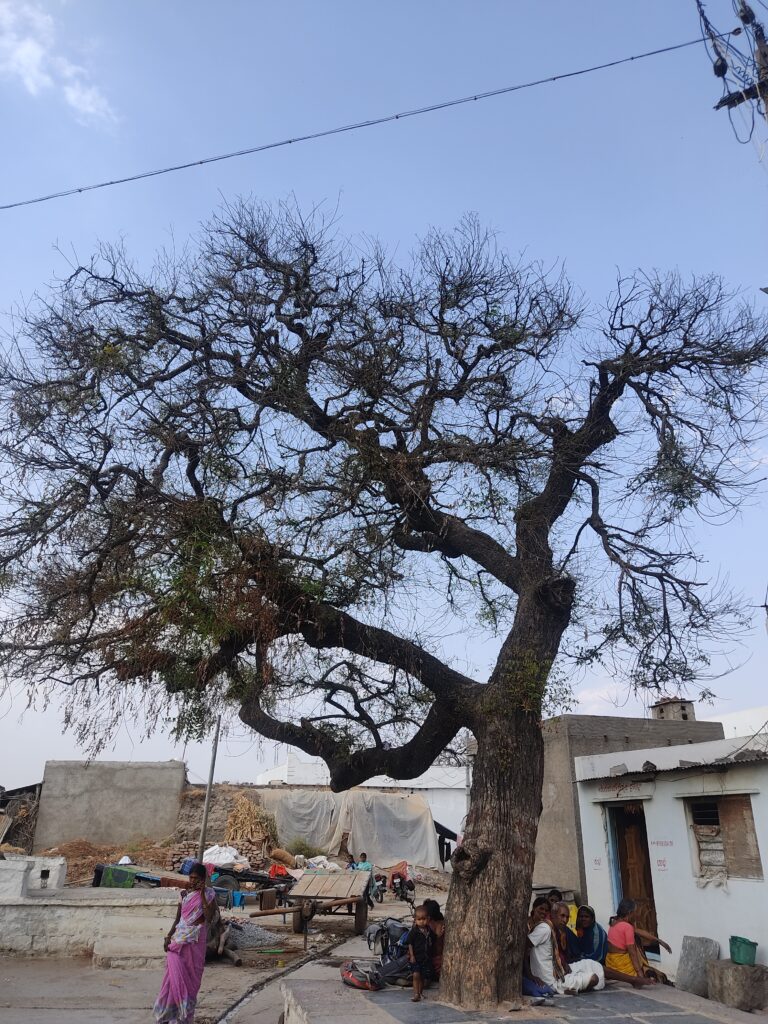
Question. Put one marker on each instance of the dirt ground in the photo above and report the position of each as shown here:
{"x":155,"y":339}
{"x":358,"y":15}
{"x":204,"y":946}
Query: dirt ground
{"x":57,"y":991}
{"x":82,"y":857}
{"x":73,"y":992}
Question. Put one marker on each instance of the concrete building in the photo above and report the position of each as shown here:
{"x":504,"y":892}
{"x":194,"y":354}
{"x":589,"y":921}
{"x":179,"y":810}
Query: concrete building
{"x":559,"y":857}
{"x":683,"y":830}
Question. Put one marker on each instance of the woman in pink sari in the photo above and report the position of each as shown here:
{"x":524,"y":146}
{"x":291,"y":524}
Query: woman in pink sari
{"x":185,"y":952}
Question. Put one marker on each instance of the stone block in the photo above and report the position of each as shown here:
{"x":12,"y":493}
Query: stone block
{"x":57,"y":873}
{"x":14,"y":877}
{"x":695,"y":953}
{"x":745,"y":988}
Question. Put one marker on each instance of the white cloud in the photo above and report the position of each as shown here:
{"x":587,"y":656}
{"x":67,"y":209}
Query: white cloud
{"x":609,"y":698}
{"x":29,"y":55}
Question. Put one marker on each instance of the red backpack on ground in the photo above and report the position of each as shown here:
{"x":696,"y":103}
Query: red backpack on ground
{"x":355,"y":976}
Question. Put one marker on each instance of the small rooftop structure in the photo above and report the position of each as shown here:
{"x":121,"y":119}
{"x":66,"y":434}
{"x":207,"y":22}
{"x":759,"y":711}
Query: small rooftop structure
{"x":673,"y":709}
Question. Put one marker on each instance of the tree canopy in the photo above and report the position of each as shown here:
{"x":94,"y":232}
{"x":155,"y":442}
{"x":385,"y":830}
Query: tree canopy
{"x":253,"y":476}
{"x":230,"y":476}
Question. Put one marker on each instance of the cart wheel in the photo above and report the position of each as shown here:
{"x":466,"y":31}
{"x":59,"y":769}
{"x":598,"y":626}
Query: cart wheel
{"x":228,"y":882}
{"x":298,"y":922}
{"x":361,"y":917}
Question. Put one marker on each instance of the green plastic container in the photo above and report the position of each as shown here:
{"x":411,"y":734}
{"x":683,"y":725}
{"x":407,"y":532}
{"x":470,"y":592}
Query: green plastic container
{"x":743,"y":951}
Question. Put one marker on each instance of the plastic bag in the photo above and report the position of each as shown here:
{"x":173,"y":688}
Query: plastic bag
{"x":223,"y":856}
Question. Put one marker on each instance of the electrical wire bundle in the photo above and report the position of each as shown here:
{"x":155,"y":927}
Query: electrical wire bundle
{"x":742,"y":69}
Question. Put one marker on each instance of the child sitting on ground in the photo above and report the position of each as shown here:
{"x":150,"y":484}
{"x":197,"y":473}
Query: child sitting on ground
{"x":420,"y":941}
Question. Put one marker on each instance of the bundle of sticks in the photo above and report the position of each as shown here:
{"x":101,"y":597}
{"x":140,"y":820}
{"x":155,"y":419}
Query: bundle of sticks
{"x":251,"y":829}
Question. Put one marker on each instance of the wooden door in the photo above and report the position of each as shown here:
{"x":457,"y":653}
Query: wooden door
{"x":635,"y":864}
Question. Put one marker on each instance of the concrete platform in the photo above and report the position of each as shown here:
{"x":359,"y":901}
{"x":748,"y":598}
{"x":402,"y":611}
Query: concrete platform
{"x":314,"y":1001}
{"x":315,"y":994}
{"x":131,"y":941}
{"x":47,"y":990}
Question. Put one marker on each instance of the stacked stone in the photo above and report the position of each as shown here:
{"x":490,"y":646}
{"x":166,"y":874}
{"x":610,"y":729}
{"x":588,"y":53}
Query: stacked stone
{"x":233,"y":820}
{"x":178,"y":853}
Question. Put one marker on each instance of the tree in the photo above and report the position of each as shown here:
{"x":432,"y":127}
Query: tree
{"x":252,"y":477}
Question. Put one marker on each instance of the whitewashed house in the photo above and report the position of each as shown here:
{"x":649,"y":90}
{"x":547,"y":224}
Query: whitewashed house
{"x":683,"y":830}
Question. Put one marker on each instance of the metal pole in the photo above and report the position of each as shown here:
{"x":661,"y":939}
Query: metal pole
{"x":470,"y":753}
{"x":207,"y":806}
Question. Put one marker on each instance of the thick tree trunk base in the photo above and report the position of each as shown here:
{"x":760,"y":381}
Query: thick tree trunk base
{"x":490,"y":890}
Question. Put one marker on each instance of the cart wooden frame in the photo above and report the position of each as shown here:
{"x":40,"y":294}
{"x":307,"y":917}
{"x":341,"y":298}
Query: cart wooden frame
{"x":331,"y":892}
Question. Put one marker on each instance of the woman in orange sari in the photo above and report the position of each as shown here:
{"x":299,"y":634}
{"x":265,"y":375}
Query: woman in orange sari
{"x":626,"y":959}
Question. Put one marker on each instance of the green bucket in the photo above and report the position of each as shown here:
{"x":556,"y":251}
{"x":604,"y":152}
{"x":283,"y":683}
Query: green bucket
{"x":743,"y":951}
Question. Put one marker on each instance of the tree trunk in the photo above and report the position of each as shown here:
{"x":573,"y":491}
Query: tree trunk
{"x":492,"y":869}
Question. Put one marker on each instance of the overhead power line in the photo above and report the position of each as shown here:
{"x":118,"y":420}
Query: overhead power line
{"x":342,"y":129}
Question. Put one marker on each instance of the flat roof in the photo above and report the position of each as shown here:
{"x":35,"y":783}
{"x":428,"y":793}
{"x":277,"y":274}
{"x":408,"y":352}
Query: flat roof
{"x":731,"y":751}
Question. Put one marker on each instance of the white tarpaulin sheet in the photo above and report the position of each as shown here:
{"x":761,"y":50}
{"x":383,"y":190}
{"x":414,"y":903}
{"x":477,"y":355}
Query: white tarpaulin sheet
{"x":308,"y":814}
{"x":389,"y":827}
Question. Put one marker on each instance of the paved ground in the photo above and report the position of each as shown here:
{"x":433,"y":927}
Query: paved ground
{"x":316,"y":988}
{"x":612,"y":1006}
{"x":37,"y":991}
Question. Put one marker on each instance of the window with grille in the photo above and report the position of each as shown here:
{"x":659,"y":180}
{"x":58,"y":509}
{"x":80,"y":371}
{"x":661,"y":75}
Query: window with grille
{"x":725,"y":839}
{"x":705,"y":812}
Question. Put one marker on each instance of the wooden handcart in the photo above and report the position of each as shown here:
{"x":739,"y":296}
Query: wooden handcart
{"x":326,"y":892}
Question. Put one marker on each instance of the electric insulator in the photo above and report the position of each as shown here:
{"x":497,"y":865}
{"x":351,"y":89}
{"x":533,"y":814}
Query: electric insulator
{"x":720,"y":67}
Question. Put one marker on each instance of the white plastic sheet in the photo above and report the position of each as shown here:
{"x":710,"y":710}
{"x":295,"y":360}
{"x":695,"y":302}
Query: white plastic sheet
{"x":389,"y":827}
{"x":223,"y":857}
{"x":308,"y":814}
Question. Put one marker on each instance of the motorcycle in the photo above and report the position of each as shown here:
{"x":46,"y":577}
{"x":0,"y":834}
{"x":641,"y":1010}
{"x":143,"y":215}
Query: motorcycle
{"x":404,"y":889}
{"x":379,"y":887}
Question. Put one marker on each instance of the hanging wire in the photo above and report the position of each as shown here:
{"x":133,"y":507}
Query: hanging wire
{"x":354,"y":127}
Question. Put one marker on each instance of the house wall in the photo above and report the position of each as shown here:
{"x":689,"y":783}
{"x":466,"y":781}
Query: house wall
{"x":448,"y":806}
{"x":682,"y":907}
{"x":108,"y":801}
{"x":559,"y":858}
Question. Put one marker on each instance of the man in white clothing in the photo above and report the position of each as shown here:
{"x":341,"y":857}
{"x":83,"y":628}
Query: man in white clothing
{"x":546,"y":965}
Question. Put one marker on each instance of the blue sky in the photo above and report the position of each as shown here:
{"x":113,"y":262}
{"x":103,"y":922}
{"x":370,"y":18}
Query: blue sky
{"x":624,"y":168}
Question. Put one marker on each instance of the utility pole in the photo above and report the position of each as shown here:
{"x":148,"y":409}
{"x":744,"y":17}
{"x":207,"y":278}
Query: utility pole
{"x":207,"y":805}
{"x":735,"y":67}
